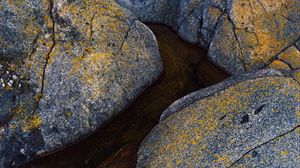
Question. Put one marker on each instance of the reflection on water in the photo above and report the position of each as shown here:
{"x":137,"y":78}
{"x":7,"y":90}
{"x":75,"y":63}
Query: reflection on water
{"x":186,"y":69}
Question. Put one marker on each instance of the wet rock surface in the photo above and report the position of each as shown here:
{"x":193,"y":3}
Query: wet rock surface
{"x":240,"y":35}
{"x":66,"y":68}
{"x":252,"y":119}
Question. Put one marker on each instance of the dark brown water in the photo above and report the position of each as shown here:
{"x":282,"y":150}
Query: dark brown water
{"x":186,"y":69}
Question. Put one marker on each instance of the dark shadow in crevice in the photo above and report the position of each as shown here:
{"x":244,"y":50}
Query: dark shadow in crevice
{"x":186,"y":69}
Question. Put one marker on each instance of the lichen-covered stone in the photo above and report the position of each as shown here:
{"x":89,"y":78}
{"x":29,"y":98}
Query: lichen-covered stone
{"x":262,"y":29}
{"x":241,"y":121}
{"x":66,"y":68}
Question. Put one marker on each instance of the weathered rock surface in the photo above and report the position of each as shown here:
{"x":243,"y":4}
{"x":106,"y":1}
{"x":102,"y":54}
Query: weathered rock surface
{"x":66,"y":68}
{"x":240,"y":35}
{"x":251,"y":119}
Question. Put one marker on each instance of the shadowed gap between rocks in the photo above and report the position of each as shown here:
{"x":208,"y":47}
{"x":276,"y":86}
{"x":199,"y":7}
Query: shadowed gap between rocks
{"x":186,"y":69}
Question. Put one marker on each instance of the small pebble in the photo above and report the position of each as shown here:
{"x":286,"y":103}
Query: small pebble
{"x":14,"y":77}
{"x":9,"y":84}
{"x":22,"y":151}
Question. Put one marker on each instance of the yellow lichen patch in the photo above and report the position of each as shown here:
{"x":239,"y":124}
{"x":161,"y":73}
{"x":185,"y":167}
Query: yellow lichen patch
{"x":278,"y":65}
{"x":8,"y":88}
{"x":13,"y":126}
{"x":292,"y":56}
{"x":222,"y":160}
{"x":90,"y":67}
{"x":38,"y":97}
{"x":47,"y":18}
{"x":69,"y":114}
{"x":284,"y":153}
{"x":94,"y":62}
{"x":99,"y":61}
{"x":32,"y":123}
{"x":31,"y":29}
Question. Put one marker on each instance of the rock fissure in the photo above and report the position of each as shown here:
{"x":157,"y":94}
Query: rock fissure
{"x":282,"y":51}
{"x":252,"y":20}
{"x":239,"y":45}
{"x":287,"y":18}
{"x":218,"y":22}
{"x":188,"y":15}
{"x":286,"y":62}
{"x":47,"y":58}
{"x":261,"y":6}
{"x":271,"y":140}
{"x":33,"y":47}
{"x":130,"y":27}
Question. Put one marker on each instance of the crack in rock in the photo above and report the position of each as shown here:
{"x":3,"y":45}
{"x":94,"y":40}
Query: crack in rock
{"x":271,"y":140}
{"x":40,"y":95}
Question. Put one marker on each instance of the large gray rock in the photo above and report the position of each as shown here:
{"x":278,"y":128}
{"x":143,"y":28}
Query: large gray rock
{"x":67,"y":68}
{"x":258,"y":31}
{"x":186,"y":17}
{"x":251,"y":119}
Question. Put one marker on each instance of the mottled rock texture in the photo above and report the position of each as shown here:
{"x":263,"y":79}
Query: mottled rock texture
{"x":66,"y":68}
{"x":240,"y":35}
{"x":252,"y":119}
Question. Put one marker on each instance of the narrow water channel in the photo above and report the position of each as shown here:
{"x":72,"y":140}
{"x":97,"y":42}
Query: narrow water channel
{"x":186,"y":69}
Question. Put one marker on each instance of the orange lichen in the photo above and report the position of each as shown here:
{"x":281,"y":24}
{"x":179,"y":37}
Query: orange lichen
{"x":278,"y":65}
{"x":261,"y":28}
{"x":292,"y":56}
